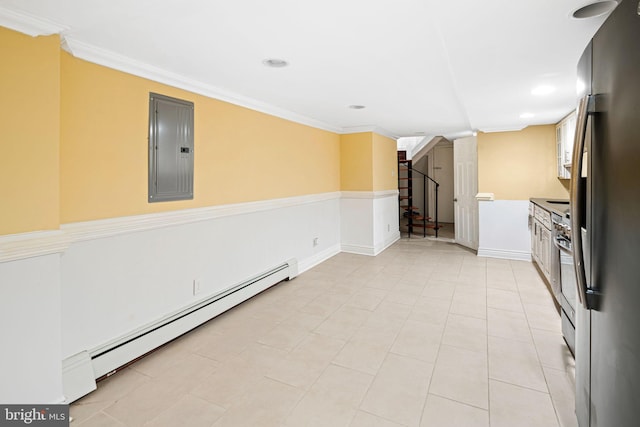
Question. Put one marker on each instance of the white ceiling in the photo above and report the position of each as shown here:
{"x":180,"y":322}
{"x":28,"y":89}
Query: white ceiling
{"x":436,"y":67}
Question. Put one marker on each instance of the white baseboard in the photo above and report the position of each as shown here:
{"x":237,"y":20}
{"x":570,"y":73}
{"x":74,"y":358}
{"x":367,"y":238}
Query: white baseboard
{"x":310,"y":262}
{"x":390,"y":241}
{"x":504,"y":254}
{"x":359,"y":250}
{"x":371,"y":250}
{"x":77,"y":376}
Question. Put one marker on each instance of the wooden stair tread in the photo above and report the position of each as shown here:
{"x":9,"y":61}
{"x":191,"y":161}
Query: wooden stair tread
{"x":428,"y":225}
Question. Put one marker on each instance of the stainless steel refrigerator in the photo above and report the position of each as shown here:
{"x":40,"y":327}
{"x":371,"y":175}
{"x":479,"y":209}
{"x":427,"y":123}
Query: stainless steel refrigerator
{"x":605,"y":224}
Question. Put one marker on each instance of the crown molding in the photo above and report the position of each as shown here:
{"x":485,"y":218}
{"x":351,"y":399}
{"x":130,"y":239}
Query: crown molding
{"x":29,"y":24}
{"x":123,"y":63}
{"x":369,"y":128}
{"x":35,"y":26}
{"x":504,"y":129}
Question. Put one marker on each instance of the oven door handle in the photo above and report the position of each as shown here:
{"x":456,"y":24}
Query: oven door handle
{"x":562,"y":248}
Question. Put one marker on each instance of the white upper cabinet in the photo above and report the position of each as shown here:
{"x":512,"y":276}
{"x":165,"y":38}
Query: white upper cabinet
{"x":565,"y":133}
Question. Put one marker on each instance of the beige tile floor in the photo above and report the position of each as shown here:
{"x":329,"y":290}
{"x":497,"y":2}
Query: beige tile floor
{"x":425,"y":334}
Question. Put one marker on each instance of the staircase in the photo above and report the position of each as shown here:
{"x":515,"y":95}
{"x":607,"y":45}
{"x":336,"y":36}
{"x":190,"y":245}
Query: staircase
{"x":413,"y":217}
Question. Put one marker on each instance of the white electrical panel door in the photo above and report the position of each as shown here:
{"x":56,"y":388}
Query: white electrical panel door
{"x":170,"y":149}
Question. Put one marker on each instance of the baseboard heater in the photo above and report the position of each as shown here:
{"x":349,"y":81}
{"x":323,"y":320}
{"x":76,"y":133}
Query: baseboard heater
{"x":103,"y":360}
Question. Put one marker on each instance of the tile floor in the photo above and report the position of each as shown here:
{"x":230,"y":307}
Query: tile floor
{"x":425,"y":334}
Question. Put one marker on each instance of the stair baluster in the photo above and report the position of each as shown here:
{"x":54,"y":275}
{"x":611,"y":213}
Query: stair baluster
{"x":410,"y":211}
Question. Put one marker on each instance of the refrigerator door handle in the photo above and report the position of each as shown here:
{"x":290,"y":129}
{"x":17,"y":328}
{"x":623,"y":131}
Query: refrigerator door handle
{"x":588,"y":297}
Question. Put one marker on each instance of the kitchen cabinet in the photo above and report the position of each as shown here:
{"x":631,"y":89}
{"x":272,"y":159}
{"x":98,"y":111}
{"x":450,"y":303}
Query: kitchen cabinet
{"x":565,"y":133}
{"x":544,"y":217}
{"x":545,"y":252}
{"x":541,"y":243}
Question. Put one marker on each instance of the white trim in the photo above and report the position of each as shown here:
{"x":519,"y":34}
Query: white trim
{"x":369,"y":128}
{"x":485,"y":197}
{"x":359,"y":249}
{"x":505,"y":129}
{"x":504,"y":254}
{"x":310,"y":262}
{"x":90,"y":230}
{"x":77,"y":376}
{"x":369,"y":194}
{"x":29,"y":24}
{"x":380,"y":248}
{"x":129,"y":65}
{"x":33,"y":26}
{"x":20,"y":246}
{"x":14,"y":247}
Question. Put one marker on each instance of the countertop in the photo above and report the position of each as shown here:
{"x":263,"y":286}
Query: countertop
{"x":559,"y":206}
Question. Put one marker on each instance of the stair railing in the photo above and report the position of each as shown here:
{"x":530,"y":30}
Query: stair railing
{"x":425,"y":180}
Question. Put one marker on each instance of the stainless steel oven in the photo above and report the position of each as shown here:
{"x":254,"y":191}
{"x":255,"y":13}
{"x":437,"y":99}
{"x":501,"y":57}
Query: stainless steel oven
{"x":567,"y":277}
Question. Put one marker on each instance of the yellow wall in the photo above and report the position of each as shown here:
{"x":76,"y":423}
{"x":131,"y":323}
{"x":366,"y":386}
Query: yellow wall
{"x":240,"y":154}
{"x":29,"y":132}
{"x":356,"y":162}
{"x":368,"y":162}
{"x":385,"y":163}
{"x":74,"y":145}
{"x":519,"y":165}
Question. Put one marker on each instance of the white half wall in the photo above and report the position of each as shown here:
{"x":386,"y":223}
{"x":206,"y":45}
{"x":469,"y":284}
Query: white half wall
{"x":119,"y":280}
{"x":369,"y":221}
{"x":67,"y":292}
{"x":504,"y":230}
{"x":30,"y":359}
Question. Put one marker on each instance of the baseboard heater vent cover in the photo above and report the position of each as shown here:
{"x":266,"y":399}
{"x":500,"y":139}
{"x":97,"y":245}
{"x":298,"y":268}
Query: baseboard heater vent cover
{"x":139,"y":342}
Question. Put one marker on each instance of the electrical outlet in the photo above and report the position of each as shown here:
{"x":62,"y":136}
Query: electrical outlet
{"x":388,"y":227}
{"x":315,"y":241}
{"x":196,"y":286}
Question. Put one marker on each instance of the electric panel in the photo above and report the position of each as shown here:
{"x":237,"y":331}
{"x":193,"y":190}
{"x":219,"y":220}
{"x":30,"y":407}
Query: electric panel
{"x":170,"y":148}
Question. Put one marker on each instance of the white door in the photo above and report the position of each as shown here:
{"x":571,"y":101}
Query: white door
{"x":465,"y":155}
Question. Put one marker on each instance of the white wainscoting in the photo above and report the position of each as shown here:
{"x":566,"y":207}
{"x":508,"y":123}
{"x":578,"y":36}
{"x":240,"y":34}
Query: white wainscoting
{"x":30,"y":359}
{"x":503,"y":229}
{"x":136,"y":277}
{"x":68,"y":292}
{"x":369,"y":221}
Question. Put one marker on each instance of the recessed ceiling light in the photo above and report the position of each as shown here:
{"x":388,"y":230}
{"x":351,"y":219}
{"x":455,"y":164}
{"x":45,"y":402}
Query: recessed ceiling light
{"x":527,"y":115}
{"x":357,"y":107}
{"x":543,"y":90}
{"x":275,"y":63}
{"x":595,"y":9}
